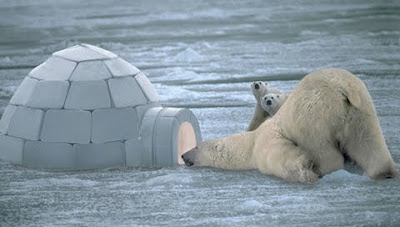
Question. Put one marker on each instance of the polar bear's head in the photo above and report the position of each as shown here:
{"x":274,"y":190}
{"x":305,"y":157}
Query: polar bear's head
{"x":259,"y":89}
{"x":272,"y":102}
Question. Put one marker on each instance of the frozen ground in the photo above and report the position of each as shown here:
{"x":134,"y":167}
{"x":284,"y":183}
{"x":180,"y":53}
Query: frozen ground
{"x":203,"y":55}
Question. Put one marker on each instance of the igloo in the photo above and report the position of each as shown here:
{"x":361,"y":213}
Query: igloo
{"x":87,"y":108}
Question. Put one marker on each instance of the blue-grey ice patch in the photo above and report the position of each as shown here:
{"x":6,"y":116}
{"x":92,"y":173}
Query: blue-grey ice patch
{"x":171,"y":179}
{"x":343,"y":176}
{"x":53,"y":182}
{"x":253,"y":206}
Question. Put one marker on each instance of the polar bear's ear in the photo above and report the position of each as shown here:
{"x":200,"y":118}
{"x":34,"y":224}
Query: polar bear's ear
{"x":353,"y":98}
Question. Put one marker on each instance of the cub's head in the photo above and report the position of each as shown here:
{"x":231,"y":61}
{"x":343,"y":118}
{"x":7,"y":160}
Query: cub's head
{"x":259,"y":89}
{"x":272,"y":102}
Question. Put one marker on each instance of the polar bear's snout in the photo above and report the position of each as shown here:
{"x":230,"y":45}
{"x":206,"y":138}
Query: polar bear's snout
{"x":256,"y":86}
{"x":269,"y":102}
{"x":190,"y":157}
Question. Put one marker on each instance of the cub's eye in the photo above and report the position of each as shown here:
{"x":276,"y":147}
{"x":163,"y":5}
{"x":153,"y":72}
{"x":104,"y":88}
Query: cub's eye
{"x":277,"y":96}
{"x":272,"y":97}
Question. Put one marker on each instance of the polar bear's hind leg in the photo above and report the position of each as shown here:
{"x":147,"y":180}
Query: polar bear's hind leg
{"x":287,"y":160}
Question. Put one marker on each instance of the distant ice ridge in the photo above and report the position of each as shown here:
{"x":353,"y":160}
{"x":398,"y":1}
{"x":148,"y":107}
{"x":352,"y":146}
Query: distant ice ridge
{"x":187,"y":55}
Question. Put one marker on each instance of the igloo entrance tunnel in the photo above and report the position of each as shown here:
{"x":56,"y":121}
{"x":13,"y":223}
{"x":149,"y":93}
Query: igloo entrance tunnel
{"x":86,"y":108}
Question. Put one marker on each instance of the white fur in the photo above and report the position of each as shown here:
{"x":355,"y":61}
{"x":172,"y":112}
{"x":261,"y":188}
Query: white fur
{"x":329,"y":114}
{"x":272,"y":102}
{"x":260,"y":89}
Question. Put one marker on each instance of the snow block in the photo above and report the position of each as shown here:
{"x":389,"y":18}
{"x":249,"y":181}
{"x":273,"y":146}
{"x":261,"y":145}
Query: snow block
{"x":147,"y":87}
{"x":179,"y":113}
{"x":11,"y":149}
{"x":119,"y":67}
{"x":79,"y":53}
{"x":136,"y":154}
{"x":67,"y":126}
{"x":24,"y":91}
{"x":26,"y":123}
{"x":6,"y":118}
{"x":90,"y":70}
{"x":196,"y":127}
{"x":49,"y":155}
{"x":126,"y":92}
{"x":114,"y":124}
{"x":49,"y":94}
{"x":88,"y":95}
{"x":142,"y":109}
{"x":54,"y":68}
{"x":100,"y":50}
{"x":94,"y":156}
{"x":147,"y":132}
{"x":165,"y":141}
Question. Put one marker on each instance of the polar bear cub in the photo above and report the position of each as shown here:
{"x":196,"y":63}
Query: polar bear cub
{"x":260,"y":89}
{"x":272,"y":102}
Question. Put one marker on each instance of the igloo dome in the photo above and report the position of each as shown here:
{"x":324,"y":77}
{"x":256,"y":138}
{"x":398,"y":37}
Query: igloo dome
{"x":87,"y":108}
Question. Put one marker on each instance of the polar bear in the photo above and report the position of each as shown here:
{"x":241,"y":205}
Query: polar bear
{"x":272,"y":102}
{"x":260,"y":89}
{"x":329,"y":116}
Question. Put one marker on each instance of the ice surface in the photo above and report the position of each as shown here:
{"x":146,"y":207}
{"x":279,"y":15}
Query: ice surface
{"x":49,"y":94}
{"x":90,"y":70}
{"x":114,"y":124}
{"x":26,"y":123}
{"x":24,"y":92}
{"x":119,"y":67}
{"x":88,"y":95}
{"x":67,"y":126}
{"x":54,"y":68}
{"x":79,"y":53}
{"x":126,"y":92}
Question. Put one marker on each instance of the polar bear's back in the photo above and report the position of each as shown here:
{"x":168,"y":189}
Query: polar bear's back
{"x":323,"y":98}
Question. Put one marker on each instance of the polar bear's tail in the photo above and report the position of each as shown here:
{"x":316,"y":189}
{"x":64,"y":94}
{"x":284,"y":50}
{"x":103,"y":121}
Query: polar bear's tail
{"x":350,"y":87}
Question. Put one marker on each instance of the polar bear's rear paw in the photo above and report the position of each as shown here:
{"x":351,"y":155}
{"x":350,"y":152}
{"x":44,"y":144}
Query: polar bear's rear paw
{"x":309,"y":172}
{"x":309,"y":177}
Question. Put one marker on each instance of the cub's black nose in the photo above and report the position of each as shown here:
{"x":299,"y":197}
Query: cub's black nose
{"x":257,"y":86}
{"x":269,"y":102}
